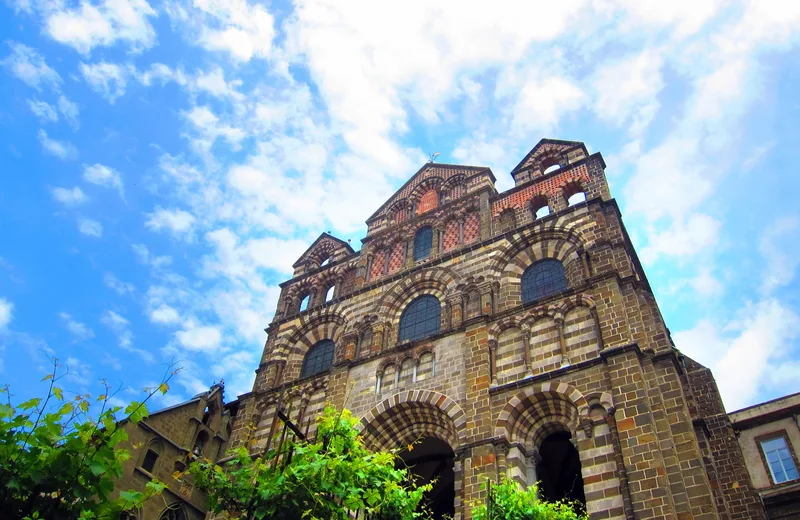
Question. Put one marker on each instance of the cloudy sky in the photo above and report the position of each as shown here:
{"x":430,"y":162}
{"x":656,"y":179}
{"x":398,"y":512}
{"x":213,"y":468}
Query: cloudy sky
{"x":163,"y":163}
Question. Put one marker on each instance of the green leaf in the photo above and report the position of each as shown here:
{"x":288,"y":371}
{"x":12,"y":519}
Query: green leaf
{"x":30,"y":404}
{"x":163,"y":388}
{"x":57,"y":393}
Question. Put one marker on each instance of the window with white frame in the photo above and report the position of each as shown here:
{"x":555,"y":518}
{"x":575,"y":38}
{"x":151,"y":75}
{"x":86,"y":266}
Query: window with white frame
{"x":779,"y":459}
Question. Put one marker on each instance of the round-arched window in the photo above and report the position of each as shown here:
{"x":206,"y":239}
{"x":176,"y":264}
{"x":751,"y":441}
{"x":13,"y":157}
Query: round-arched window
{"x":423,"y":242}
{"x":318,"y":358}
{"x":542,"y":279}
{"x":420,"y":319}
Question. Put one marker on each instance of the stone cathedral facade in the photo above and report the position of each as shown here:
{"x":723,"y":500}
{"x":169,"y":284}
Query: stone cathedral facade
{"x":509,"y":333}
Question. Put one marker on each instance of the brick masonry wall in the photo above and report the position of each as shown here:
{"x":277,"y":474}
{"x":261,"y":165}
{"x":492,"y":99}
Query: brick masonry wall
{"x":598,"y":361}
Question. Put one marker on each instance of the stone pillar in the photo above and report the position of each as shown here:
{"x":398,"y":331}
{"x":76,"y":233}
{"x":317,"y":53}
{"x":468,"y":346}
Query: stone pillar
{"x":562,"y":342}
{"x":485,"y":290}
{"x":350,"y":341}
{"x":378,"y":338}
{"x":485,"y":215}
{"x":493,"y":361}
{"x":435,"y":242}
{"x":337,"y":290}
{"x":410,"y":253}
{"x":526,"y":343}
{"x":517,"y":465}
{"x":456,"y":311}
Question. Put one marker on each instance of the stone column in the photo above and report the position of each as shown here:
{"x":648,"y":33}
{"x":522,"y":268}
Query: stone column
{"x":493,"y":361}
{"x":526,"y":343}
{"x":485,"y":215}
{"x":350,"y":340}
{"x":485,"y":290}
{"x":410,"y":253}
{"x":562,"y":342}
{"x":456,"y":311}
{"x":378,"y":339}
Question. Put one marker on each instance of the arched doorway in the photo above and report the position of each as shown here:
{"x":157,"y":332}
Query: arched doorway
{"x":429,"y":460}
{"x":559,"y":469}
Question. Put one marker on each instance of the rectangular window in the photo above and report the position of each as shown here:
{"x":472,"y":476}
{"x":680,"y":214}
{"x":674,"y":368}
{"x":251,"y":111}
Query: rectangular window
{"x":149,"y":461}
{"x":779,"y":459}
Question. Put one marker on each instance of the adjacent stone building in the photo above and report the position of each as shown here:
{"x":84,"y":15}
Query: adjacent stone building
{"x":165,"y":443}
{"x":769,"y":435}
{"x":508,"y":333}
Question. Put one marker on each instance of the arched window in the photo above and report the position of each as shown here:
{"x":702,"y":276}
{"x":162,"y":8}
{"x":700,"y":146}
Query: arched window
{"x":423,"y":242}
{"x":151,"y":456}
{"x":329,"y":294}
{"x":173,"y":512}
{"x":325,"y":262}
{"x":542,"y":279}
{"x":318,"y":358}
{"x":576,"y":199}
{"x":420,"y":319}
{"x":551,"y":168}
{"x":304,"y":302}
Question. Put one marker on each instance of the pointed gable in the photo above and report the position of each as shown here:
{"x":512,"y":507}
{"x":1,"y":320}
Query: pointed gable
{"x":447,"y":181}
{"x":546,"y":153}
{"x":324,"y":247}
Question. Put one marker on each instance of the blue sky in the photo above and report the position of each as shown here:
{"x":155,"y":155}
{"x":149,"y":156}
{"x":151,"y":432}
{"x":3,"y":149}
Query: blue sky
{"x":162,"y":164}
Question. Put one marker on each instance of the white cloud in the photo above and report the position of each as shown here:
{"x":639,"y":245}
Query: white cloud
{"x":117,"y":285}
{"x":213,"y":82}
{"x":628,"y":88}
{"x":158,"y":72}
{"x":104,"y":176}
{"x":177,"y":221}
{"x":6,"y":313}
{"x":144,"y":256}
{"x":209,"y":125}
{"x":235,"y":259}
{"x":121,"y":327}
{"x":69,"y":110}
{"x":743,"y":353}
{"x":64,"y":150}
{"x":78,"y":329}
{"x":69,"y":196}
{"x":201,"y":337}
{"x":164,"y":314}
{"x":107,"y":79}
{"x":90,"y":227}
{"x":102,"y":24}
{"x":235,"y":26}
{"x":29,"y":66}
{"x":781,"y":251}
{"x":44,"y":111}
{"x":542,"y":102}
{"x":684,"y":238}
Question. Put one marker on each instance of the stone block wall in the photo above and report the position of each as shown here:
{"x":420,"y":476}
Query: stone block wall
{"x":594,"y":361}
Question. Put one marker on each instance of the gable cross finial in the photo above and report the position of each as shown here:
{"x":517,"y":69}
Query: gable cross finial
{"x":433,"y":156}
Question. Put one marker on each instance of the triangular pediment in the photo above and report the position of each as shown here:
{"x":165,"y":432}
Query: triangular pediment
{"x":431,"y":174}
{"x":547,"y":149}
{"x":327,"y":246}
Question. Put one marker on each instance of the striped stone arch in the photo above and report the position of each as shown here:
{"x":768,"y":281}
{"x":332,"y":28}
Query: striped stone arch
{"x":327,"y":322}
{"x":431,"y":183}
{"x":410,"y":415}
{"x":576,"y":300}
{"x":537,"y":411}
{"x":500,"y":326}
{"x":438,"y":281}
{"x":561,"y":249}
{"x":604,"y":399}
{"x":548,"y":239}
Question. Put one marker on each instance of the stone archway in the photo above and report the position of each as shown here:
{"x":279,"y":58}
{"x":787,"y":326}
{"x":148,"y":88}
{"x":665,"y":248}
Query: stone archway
{"x":433,"y":424}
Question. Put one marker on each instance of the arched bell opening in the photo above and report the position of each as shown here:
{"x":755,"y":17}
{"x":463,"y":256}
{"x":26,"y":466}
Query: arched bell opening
{"x":559,"y":469}
{"x":432,"y":460}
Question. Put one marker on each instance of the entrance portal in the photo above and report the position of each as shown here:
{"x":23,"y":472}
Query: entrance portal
{"x":560,"y":469}
{"x":433,"y":459}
